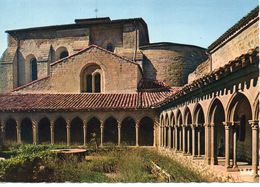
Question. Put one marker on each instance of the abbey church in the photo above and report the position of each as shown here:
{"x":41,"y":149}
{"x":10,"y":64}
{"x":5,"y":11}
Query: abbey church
{"x":64,"y":83}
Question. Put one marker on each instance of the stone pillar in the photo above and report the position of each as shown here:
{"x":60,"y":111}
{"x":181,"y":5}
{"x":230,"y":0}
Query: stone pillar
{"x":101,"y":134}
{"x":235,"y":126}
{"x":2,"y":133}
{"x":84,"y":132}
{"x":180,"y":139}
{"x":176,"y":137}
{"x":164,"y":136}
{"x":255,"y":146}
{"x":52,"y":131}
{"x":137,"y":134}
{"x":227,"y":156}
{"x":169,"y":137}
{"x":18,"y":131}
{"x":154,"y":136}
{"x":159,"y":135}
{"x":193,"y":139}
{"x":173,"y":137}
{"x":199,"y":141}
{"x":188,"y":141}
{"x":183,"y":139}
{"x":68,"y":132}
{"x":35,"y":132}
{"x":212,"y":145}
{"x":118,"y":133}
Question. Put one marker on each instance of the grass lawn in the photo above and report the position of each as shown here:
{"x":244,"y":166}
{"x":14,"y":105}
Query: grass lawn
{"x":29,"y":163}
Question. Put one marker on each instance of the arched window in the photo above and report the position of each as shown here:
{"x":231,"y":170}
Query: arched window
{"x":61,"y":52}
{"x":110,"y":47}
{"x":91,"y":79}
{"x":33,"y":64}
{"x":97,"y":83}
{"x":89,"y":83}
{"x":64,"y":54}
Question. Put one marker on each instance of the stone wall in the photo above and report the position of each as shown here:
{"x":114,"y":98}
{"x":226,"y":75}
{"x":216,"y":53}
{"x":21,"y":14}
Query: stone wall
{"x":201,"y":70}
{"x":6,"y":77}
{"x":237,"y":44}
{"x":118,"y":75}
{"x":171,"y":63}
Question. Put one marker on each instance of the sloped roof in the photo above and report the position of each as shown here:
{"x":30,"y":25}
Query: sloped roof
{"x":8,"y":55}
{"x":13,"y":102}
{"x":250,"y":58}
{"x":241,"y":23}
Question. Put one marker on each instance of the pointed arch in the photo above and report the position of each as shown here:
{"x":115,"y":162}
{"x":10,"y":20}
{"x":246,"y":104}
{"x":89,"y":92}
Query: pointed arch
{"x":26,"y":131}
{"x":10,"y":131}
{"x":76,"y":131}
{"x":128,"y":131}
{"x":60,"y":131}
{"x":146,"y":131}
{"x":44,"y":130}
{"x":111,"y":130}
{"x":93,"y":130}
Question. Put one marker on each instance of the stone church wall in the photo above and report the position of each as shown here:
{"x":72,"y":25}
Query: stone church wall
{"x":118,"y":75}
{"x":172,"y":63}
{"x":236,"y":45}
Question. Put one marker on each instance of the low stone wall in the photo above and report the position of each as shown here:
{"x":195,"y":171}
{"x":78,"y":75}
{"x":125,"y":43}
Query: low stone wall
{"x":200,"y":167}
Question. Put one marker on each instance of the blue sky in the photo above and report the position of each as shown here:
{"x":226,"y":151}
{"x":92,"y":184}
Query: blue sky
{"x":197,"y":22}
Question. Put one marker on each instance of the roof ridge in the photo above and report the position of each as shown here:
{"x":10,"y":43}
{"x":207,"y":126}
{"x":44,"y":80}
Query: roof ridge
{"x":242,"y":22}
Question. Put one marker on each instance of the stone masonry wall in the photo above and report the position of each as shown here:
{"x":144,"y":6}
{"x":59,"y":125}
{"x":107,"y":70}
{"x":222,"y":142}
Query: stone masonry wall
{"x":240,"y":44}
{"x":6,"y":77}
{"x":172,"y":64}
{"x":118,"y":75}
{"x":201,"y":70}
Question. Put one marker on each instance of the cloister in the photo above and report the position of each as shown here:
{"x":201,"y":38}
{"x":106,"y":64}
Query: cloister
{"x":78,"y":129}
{"x":216,"y":120}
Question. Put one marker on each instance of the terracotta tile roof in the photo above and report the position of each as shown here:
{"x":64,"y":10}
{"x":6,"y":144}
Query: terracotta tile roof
{"x":13,"y":102}
{"x":250,"y":58}
{"x":154,"y":85}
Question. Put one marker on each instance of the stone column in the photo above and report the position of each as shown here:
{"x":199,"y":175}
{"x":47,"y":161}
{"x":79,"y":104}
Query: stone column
{"x":188,"y":141}
{"x":176,"y":137}
{"x":137,"y":134}
{"x":101,"y":134}
{"x":159,"y":135}
{"x":84,"y":132}
{"x":199,"y":141}
{"x":227,"y":156}
{"x":235,"y":126}
{"x":180,"y":139}
{"x":18,"y":131}
{"x":35,"y":132}
{"x":255,"y":146}
{"x":52,"y":131}
{"x":193,"y":139}
{"x":2,"y":133}
{"x":183,"y":139}
{"x":154,"y":136}
{"x":169,"y":137}
{"x":173,"y":137}
{"x":164,"y":136}
{"x":119,"y":133}
{"x":68,"y":132}
{"x":212,"y":145}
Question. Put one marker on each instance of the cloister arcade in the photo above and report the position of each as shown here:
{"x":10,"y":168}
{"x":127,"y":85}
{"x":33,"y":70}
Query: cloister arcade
{"x":222,"y":129}
{"x":80,"y":129}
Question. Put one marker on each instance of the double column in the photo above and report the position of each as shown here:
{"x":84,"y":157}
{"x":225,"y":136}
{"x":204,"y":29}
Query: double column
{"x":183,"y":139}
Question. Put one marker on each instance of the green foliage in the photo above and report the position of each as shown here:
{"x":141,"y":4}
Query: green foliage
{"x":30,"y":163}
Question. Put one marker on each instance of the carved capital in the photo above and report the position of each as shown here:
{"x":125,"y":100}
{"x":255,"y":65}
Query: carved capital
{"x":254,"y":124}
